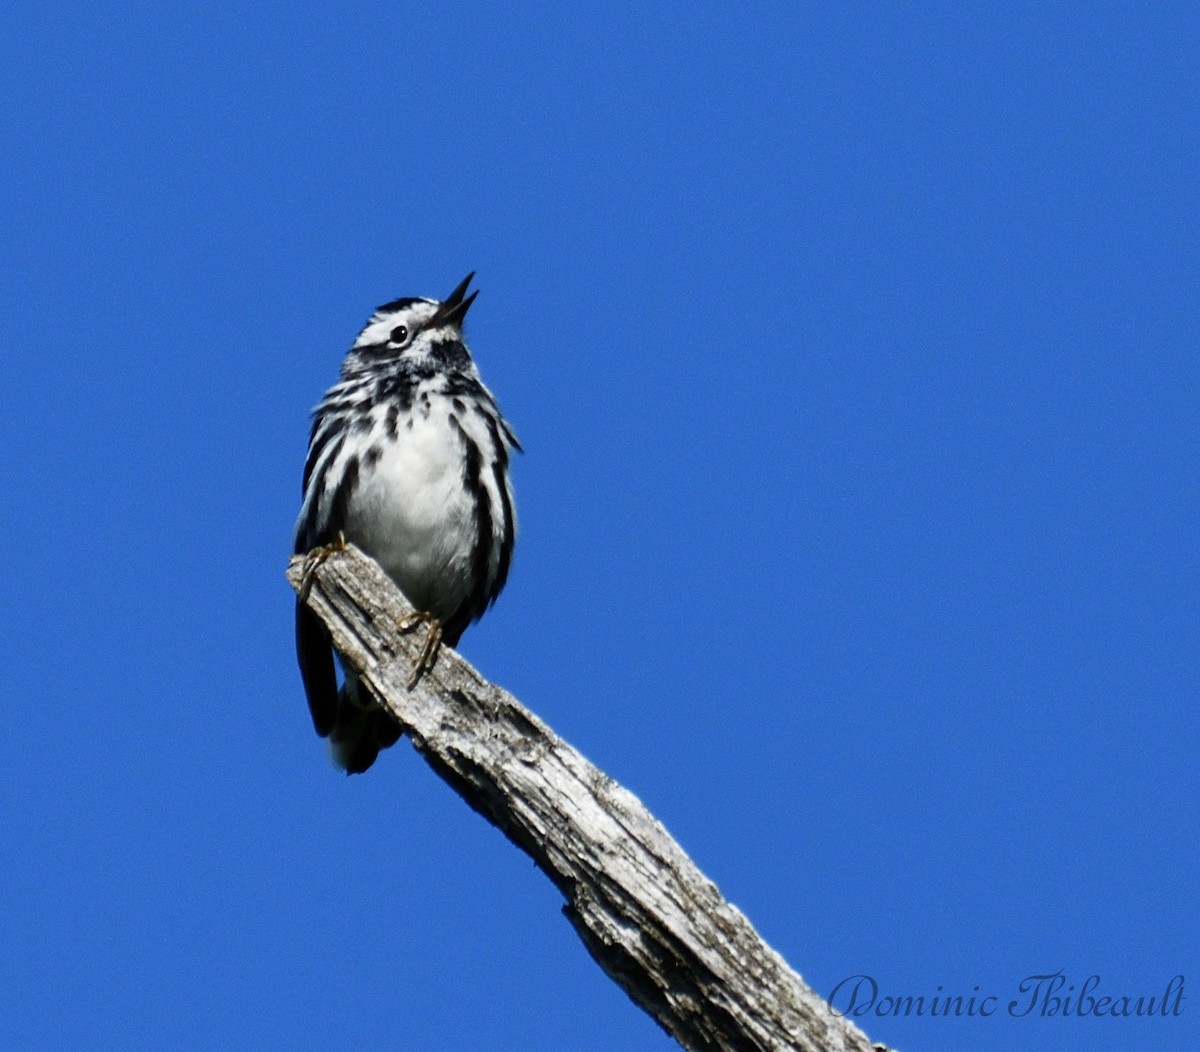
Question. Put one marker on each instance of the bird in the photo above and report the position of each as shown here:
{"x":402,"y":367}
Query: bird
{"x":408,"y":459}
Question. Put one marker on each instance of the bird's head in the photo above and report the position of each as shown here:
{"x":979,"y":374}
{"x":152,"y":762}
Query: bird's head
{"x":419,"y":331}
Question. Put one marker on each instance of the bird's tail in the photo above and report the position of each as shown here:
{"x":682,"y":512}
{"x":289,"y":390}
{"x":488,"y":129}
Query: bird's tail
{"x":362,"y":728}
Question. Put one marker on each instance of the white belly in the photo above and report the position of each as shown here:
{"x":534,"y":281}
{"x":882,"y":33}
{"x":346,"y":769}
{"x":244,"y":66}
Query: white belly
{"x":412,"y":513}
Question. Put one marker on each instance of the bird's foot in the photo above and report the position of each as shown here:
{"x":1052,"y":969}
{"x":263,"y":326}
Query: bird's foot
{"x":314,"y":559}
{"x":429,"y":649}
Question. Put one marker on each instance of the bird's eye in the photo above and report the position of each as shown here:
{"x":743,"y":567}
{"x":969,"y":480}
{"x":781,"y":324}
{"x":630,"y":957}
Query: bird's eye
{"x":400,"y":334}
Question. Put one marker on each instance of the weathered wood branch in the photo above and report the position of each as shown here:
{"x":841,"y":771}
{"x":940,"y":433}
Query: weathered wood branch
{"x":648,"y":916}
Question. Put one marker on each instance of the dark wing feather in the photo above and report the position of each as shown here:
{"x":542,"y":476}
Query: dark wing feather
{"x":314,"y":647}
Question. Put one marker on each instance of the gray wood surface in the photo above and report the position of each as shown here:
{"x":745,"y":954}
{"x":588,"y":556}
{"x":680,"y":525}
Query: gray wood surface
{"x":646,"y":913}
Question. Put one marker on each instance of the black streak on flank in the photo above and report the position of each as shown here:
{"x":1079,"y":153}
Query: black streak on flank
{"x":507,"y":532}
{"x":500,"y":448}
{"x":316,"y":446}
{"x":481,"y":557}
{"x":507,"y":537}
{"x":309,"y":536}
{"x":340,"y":502}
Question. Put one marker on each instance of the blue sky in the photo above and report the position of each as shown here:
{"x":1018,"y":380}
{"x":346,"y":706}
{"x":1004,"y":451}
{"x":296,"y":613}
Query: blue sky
{"x":854,"y":353}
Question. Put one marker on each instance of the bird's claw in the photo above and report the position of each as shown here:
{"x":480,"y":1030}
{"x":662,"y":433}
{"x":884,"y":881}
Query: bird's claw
{"x":313,"y":560}
{"x":429,"y":649}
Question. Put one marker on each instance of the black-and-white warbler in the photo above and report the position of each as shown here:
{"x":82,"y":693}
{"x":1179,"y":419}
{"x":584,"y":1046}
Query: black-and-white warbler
{"x":408,"y":459}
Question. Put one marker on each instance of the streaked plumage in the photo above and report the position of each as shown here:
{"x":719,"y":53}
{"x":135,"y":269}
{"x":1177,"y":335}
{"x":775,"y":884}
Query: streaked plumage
{"x":408,"y":459}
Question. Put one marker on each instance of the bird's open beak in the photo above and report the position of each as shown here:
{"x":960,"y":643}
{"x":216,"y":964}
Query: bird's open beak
{"x":454,"y":307}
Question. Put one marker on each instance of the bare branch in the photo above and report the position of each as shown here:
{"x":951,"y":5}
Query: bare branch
{"x":648,"y":916}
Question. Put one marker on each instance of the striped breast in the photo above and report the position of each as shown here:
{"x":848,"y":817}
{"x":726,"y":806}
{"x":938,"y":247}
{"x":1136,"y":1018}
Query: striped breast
{"x":423,"y":488}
